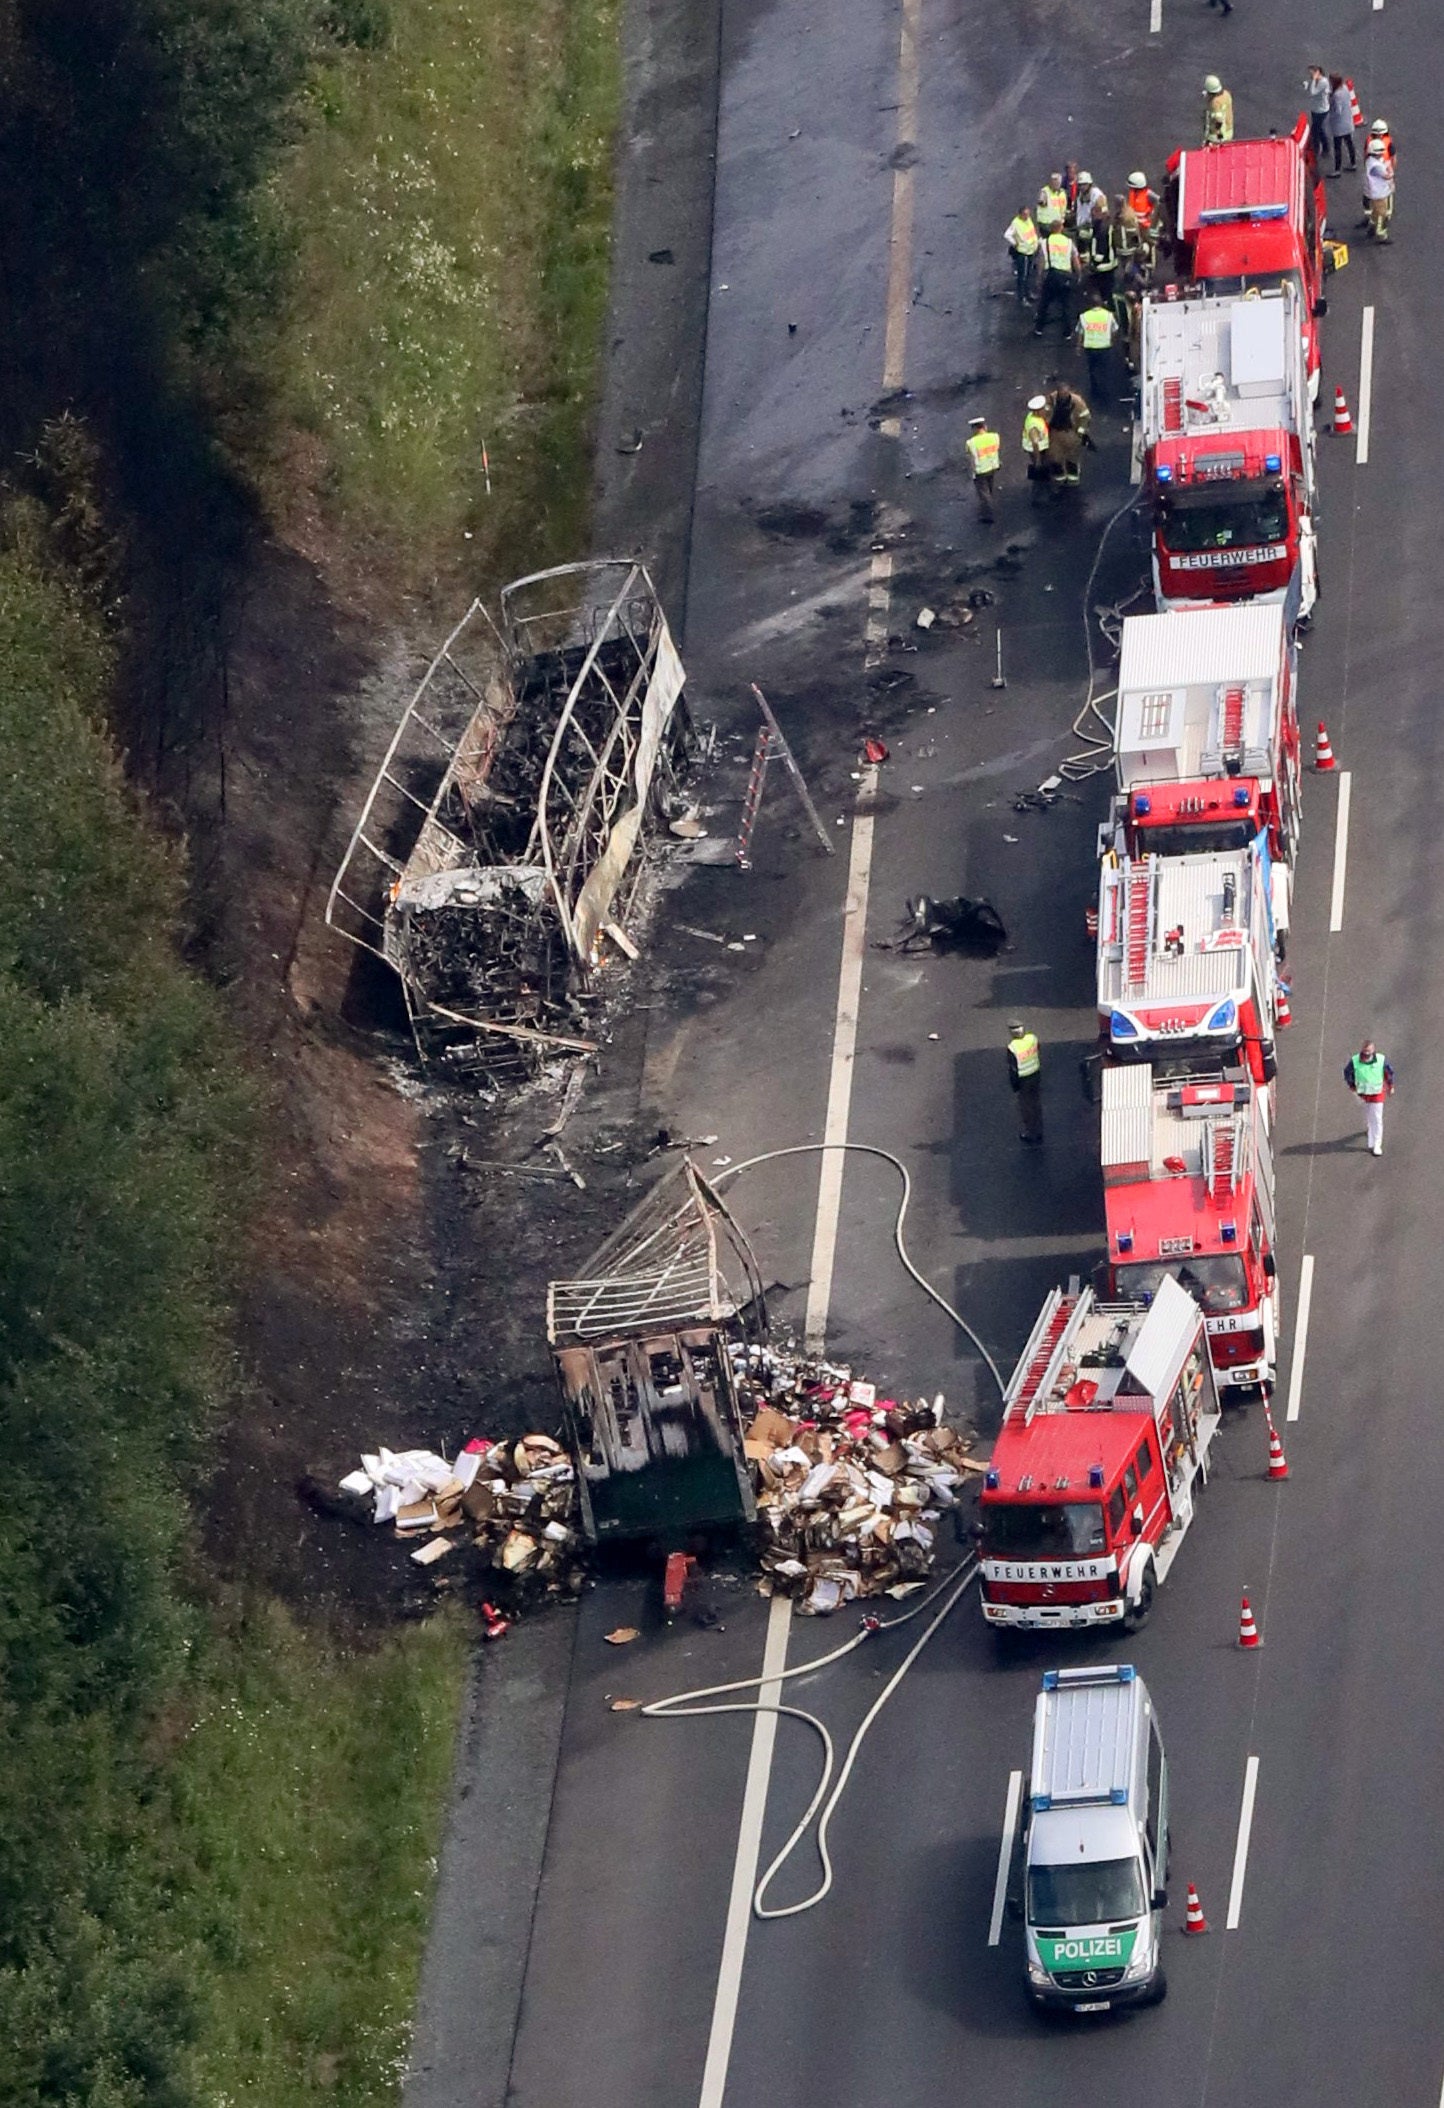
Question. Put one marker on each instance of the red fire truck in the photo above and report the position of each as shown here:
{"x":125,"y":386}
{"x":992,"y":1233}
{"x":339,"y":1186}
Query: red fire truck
{"x":1252,"y":213}
{"x":1106,"y":1430}
{"x":1226,"y":446}
{"x":1187,"y":974}
{"x":1188,"y":1192}
{"x":1206,"y":743}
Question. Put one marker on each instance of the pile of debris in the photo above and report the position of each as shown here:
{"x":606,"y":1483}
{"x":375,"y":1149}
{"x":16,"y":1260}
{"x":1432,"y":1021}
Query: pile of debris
{"x":851,"y":1489}
{"x":514,"y":1504}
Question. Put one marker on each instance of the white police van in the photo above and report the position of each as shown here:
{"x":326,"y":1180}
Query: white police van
{"x":1095,"y":1844}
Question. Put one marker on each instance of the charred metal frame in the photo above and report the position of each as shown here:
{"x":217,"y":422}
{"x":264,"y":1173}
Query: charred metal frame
{"x":489,"y":861}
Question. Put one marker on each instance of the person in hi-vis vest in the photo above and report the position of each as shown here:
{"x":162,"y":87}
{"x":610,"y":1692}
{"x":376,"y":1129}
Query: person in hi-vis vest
{"x":1371,"y":1078}
{"x":985,"y":453}
{"x":1025,"y":1073}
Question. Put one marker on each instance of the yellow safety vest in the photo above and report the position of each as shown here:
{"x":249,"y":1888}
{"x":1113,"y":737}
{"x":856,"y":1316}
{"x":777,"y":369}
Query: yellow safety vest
{"x":1023,"y":236}
{"x":1060,"y":252}
{"x":1052,"y":208}
{"x":1097,"y":326}
{"x":1025,"y":1053}
{"x":1035,"y":433}
{"x":985,"y":451}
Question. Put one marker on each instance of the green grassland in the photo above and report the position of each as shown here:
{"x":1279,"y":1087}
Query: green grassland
{"x":450,"y":203}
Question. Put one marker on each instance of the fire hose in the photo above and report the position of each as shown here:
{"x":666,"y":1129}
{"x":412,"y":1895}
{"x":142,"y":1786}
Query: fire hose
{"x":713,"y":1699}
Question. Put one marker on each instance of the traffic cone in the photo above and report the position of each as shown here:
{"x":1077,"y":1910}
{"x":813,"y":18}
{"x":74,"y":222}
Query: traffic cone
{"x":1343,"y":423}
{"x":1323,"y":752}
{"x":1278,"y":1462}
{"x":1195,"y":1921}
{"x":1283,"y":1011}
{"x":1247,"y":1630}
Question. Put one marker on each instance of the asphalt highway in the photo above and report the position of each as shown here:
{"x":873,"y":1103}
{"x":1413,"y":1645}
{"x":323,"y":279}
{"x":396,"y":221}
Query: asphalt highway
{"x":867,"y":161}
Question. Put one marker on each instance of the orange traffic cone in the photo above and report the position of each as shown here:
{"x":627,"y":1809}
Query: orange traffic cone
{"x":1247,"y":1630}
{"x":1343,"y":423}
{"x":1278,"y":1462}
{"x":1195,"y":1921}
{"x":1283,"y":1009}
{"x":1323,"y":752}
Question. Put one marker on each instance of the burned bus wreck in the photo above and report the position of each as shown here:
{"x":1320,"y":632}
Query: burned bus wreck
{"x":498,"y":854}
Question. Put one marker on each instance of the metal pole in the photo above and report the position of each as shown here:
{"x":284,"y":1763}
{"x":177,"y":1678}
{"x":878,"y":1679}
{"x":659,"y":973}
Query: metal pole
{"x":792,"y":769}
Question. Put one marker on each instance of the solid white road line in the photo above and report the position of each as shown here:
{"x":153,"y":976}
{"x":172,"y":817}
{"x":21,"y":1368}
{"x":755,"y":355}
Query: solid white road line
{"x":1240,"y":1850}
{"x":749,"y":1846}
{"x":844,"y":1050}
{"x":1341,"y":852}
{"x":1366,"y":386}
{"x":1005,"y":1856}
{"x":1301,"y":1337}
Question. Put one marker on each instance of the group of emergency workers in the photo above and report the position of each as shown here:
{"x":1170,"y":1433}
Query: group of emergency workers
{"x":1073,"y":246}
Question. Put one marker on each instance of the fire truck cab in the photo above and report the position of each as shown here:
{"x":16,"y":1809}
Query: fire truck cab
{"x":1206,"y":742}
{"x":1187,"y":975}
{"x":1106,"y":1430}
{"x":1252,"y":214}
{"x":1188,"y":1192}
{"x":1226,"y":450}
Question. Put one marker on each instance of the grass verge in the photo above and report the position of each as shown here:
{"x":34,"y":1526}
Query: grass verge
{"x":451,"y":208}
{"x":311,"y":1791}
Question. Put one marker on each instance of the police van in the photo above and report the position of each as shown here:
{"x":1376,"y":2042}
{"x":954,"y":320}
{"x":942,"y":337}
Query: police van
{"x":1095,"y":1843}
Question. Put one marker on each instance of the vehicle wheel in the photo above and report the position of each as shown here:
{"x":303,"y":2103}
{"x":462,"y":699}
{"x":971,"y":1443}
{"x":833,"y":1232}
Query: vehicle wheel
{"x":1157,"y":1990}
{"x":1137,"y":1617}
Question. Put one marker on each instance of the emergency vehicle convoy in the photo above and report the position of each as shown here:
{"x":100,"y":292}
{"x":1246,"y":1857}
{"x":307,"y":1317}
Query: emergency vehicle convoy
{"x":1206,"y":740}
{"x":1188,"y":1194}
{"x":1227,"y":449}
{"x":1187,"y":972}
{"x":1111,"y":1411}
{"x":1106,"y":1431}
{"x":1251,"y":214}
{"x":1110,"y":1414}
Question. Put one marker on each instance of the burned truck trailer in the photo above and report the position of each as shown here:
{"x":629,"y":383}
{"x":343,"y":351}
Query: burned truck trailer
{"x":499,"y":851}
{"x":641,"y":1347}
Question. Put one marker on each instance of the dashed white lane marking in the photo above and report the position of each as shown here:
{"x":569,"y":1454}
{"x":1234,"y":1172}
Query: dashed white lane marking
{"x":749,"y":1846}
{"x":1301,"y":1337}
{"x":1005,"y":1856}
{"x":1341,"y":853}
{"x":1155,"y":16}
{"x":1240,"y":1850}
{"x":844,"y":1052}
{"x":879,"y":608}
{"x":1366,"y":386}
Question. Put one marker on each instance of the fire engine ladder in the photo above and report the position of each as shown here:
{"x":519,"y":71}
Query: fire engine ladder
{"x":1042,"y":1354}
{"x":1222,"y":1146}
{"x":1231,"y":727}
{"x":1139,"y":896}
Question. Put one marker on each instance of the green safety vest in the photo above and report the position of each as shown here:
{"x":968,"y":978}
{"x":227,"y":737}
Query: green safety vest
{"x":1097,"y":326}
{"x":1369,"y":1077}
{"x":1025,"y":236}
{"x":1052,"y":207}
{"x":985,"y":451}
{"x":1035,"y":433}
{"x":1025,"y":1053}
{"x":1060,"y":252}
